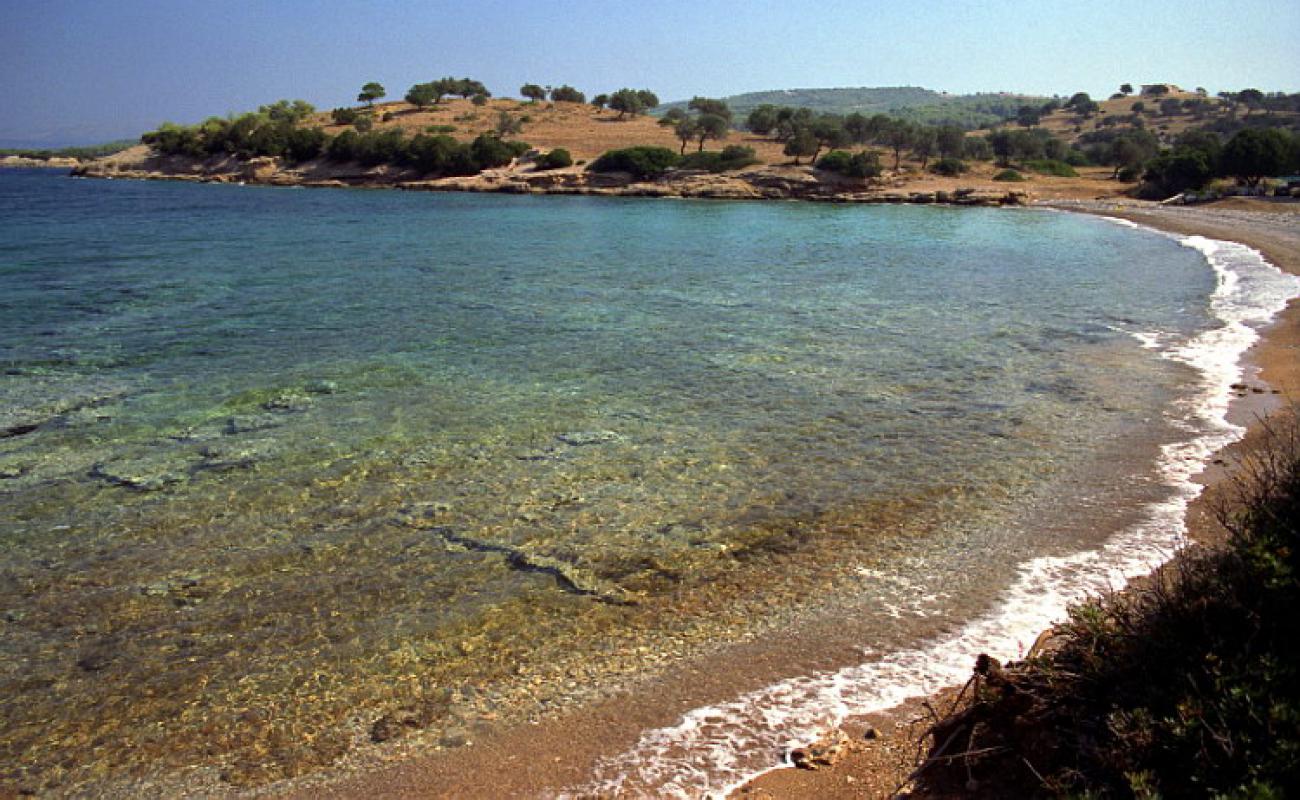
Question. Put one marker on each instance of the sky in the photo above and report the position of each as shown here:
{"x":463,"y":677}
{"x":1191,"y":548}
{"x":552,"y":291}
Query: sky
{"x":86,"y":71}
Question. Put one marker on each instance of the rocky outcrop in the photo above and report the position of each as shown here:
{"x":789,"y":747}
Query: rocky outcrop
{"x":756,"y":183}
{"x":58,"y":162}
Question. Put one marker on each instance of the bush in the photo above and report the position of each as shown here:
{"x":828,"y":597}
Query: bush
{"x":558,"y":158}
{"x":1129,"y":174}
{"x":489,"y":151}
{"x":950,"y":167}
{"x":1077,"y":158}
{"x":641,"y":162}
{"x":731,"y":157}
{"x":304,"y":144}
{"x":1009,"y":175}
{"x":479,"y":99}
{"x":1050,"y":166}
{"x":1188,"y":687}
{"x":345,"y":116}
{"x":865,"y":164}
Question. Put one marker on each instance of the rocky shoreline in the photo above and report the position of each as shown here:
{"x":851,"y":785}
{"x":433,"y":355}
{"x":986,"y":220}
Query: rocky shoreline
{"x":766,"y":182}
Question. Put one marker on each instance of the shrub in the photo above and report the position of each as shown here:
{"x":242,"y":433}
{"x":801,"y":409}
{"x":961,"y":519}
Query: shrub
{"x":304,"y":144}
{"x":949,"y":167}
{"x":489,"y":151}
{"x":1009,"y":175}
{"x":479,"y":99}
{"x":1076,"y":158}
{"x":431,"y":154}
{"x":731,"y":157}
{"x":1129,"y":174}
{"x":641,"y":162}
{"x":1050,"y":166}
{"x":865,"y":164}
{"x":1187,"y":687}
{"x":345,"y":116}
{"x":556,"y":159}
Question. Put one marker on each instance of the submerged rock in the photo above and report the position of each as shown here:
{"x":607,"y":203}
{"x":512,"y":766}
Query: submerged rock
{"x":246,"y":423}
{"x":585,"y":438}
{"x":148,"y":473}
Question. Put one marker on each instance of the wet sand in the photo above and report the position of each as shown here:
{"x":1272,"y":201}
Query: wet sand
{"x":533,"y":760}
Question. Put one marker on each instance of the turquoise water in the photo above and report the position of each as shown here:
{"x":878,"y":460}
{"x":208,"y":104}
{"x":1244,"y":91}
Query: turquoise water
{"x":277,"y":464}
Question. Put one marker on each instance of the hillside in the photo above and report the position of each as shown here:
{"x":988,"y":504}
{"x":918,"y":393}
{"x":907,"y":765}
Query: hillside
{"x":1166,"y":116}
{"x":909,"y":102}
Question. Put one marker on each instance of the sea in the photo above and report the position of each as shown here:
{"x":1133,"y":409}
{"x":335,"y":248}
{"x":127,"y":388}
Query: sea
{"x":289,"y":474}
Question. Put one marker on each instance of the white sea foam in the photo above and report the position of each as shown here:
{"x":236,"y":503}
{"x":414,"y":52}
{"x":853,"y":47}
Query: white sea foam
{"x":714,"y":749}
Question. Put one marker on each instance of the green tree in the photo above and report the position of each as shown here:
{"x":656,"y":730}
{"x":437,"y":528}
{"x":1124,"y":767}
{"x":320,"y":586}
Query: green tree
{"x":423,"y":95}
{"x":632,"y":101}
{"x":950,"y":141}
{"x":1126,"y":88}
{"x":898,"y":138}
{"x":466,"y":87}
{"x":762,"y":119}
{"x":710,"y":126}
{"x":925,"y":141}
{"x":533,"y":92}
{"x":567,"y":94}
{"x":802,"y":143}
{"x":600,"y":101}
{"x":672,"y":116}
{"x":370,"y":93}
{"x":1003,"y":145}
{"x":1256,"y":153}
{"x":685,"y":129}
{"x":829,"y":131}
{"x":705,"y":105}
{"x":1176,"y":171}
{"x":1028,"y":116}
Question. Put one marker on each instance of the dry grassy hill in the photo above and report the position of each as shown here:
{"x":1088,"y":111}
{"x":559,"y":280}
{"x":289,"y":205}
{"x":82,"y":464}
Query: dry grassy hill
{"x":582,"y":129}
{"x":1067,"y":125}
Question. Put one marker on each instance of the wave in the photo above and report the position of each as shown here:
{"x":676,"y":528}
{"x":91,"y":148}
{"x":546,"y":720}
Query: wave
{"x":715,"y":749}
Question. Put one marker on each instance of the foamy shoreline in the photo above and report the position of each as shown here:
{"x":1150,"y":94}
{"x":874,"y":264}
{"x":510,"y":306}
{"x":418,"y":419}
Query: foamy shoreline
{"x":1251,"y":336}
{"x":710,"y":752}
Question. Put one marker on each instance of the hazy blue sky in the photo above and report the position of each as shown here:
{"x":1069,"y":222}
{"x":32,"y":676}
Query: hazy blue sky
{"x":88,"y":70}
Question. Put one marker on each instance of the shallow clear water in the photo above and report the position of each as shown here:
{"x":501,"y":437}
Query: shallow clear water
{"x":277,"y":463}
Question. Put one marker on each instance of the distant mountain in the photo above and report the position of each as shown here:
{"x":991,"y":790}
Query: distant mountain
{"x":909,"y":102}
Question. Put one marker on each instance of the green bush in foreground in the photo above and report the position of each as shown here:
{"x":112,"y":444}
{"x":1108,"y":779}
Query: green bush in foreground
{"x":1189,"y":687}
{"x":1009,"y":175}
{"x":1051,"y":166}
{"x":641,"y":162}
